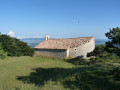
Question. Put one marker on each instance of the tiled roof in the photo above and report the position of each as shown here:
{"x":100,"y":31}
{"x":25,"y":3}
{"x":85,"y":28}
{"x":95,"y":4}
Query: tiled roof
{"x":63,"y":43}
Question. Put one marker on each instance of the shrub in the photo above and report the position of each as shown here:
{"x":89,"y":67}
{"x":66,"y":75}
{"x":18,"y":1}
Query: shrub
{"x":94,"y":60}
{"x":116,"y":73}
{"x":98,"y":51}
{"x":2,"y":53}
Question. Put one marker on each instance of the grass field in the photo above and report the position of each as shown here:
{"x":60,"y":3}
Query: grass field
{"x":38,"y":73}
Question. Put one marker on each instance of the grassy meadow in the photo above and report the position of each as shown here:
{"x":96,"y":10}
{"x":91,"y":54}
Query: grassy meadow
{"x":39,"y":73}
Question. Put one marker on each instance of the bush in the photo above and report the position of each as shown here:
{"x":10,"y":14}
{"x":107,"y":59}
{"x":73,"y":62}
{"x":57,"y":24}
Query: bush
{"x":116,"y":73}
{"x":98,"y":51}
{"x":15,"y":47}
{"x":94,"y":60}
{"x":2,"y":53}
{"x":101,"y":53}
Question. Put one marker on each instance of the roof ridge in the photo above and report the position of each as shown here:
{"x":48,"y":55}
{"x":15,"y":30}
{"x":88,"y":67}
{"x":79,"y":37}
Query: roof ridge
{"x":72,"y":38}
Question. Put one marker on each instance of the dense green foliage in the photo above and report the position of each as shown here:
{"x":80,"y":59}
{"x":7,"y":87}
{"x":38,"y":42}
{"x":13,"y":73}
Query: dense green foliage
{"x":2,"y":53}
{"x":116,"y":73}
{"x":113,"y":45}
{"x":109,"y":50}
{"x":15,"y":47}
{"x":100,"y":52}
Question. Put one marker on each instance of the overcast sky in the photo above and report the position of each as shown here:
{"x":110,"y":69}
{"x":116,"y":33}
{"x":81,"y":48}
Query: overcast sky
{"x":58,"y":18}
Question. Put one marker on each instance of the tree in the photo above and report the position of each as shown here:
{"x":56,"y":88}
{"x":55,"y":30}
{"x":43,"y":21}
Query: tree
{"x":15,"y":47}
{"x":113,"y":45}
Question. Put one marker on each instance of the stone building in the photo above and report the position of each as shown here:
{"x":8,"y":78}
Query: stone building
{"x":64,"y":48}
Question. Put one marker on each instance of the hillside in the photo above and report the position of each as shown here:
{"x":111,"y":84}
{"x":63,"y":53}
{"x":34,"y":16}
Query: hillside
{"x":38,"y":73}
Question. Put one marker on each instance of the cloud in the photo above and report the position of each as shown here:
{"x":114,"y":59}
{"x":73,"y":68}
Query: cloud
{"x":21,"y":37}
{"x":11,"y":33}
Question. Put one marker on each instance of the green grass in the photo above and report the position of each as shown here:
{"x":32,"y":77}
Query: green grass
{"x":38,"y":73}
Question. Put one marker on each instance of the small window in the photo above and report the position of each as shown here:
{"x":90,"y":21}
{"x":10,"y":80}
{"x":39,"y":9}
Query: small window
{"x":75,"y":49}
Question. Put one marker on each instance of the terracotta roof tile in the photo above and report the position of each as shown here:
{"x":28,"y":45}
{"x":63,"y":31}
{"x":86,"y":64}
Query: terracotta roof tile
{"x":63,"y":43}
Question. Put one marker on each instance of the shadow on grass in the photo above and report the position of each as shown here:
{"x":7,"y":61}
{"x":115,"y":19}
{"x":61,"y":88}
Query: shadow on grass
{"x":93,"y":77}
{"x":78,"y":61}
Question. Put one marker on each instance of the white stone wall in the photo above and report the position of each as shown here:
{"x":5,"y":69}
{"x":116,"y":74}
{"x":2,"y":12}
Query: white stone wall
{"x":81,"y":51}
{"x":56,"y":53}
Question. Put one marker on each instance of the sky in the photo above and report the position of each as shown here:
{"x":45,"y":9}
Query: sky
{"x":58,"y":18}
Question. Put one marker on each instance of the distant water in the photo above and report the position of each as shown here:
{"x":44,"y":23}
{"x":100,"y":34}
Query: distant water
{"x":32,"y":42}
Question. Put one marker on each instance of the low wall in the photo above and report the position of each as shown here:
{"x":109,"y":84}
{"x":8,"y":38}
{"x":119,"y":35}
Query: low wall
{"x":56,"y":53}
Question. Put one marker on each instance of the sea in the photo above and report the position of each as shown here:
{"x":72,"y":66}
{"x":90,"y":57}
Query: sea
{"x":32,"y":42}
